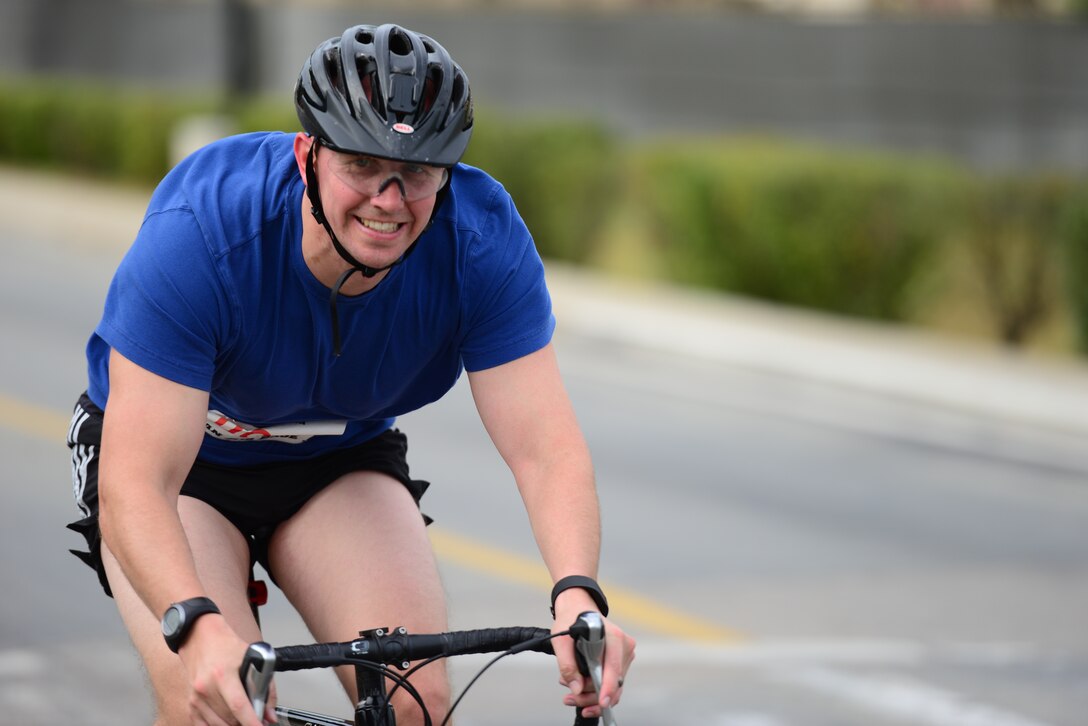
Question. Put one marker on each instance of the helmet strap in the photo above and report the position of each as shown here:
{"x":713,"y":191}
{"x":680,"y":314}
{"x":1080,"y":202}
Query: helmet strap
{"x":313,"y":192}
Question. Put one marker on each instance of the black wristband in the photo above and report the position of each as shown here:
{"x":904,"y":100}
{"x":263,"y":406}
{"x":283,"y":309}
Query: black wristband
{"x":586,"y":583}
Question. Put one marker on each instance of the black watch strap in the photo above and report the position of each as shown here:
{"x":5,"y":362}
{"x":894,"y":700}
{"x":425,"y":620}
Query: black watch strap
{"x":180,"y":617}
{"x":586,"y":583}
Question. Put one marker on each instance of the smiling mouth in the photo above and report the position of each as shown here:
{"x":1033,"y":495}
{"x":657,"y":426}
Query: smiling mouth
{"x":383,"y":227}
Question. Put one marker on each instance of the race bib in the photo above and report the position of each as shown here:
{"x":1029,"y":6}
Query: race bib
{"x":224,"y":427}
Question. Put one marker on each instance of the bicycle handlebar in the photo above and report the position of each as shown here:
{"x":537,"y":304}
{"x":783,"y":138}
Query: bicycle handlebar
{"x":399,"y":648}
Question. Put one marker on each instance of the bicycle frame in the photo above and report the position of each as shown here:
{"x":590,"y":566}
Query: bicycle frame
{"x":297,"y":717}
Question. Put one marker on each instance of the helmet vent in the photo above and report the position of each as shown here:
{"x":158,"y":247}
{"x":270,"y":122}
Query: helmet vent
{"x":470,"y":113}
{"x":457,"y":97}
{"x":332,"y":69}
{"x":430,"y":90}
{"x":399,"y":43}
{"x":364,"y":37}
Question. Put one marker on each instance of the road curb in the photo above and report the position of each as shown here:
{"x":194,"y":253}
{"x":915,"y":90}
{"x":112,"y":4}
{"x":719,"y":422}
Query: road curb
{"x":886,"y":360}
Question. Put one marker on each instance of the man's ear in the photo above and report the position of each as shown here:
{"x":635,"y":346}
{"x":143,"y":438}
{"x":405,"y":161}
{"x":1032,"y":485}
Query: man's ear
{"x":303,"y":142}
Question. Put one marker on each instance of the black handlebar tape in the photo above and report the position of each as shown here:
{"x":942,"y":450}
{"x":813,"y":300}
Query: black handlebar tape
{"x":396,"y":648}
{"x":489,"y":640}
{"x":320,"y":655}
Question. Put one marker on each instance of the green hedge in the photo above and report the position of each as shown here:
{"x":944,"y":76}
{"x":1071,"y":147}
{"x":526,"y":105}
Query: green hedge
{"x":265,"y":114}
{"x":91,"y":128}
{"x":563,"y":175}
{"x":1014,"y":230}
{"x":860,"y":234}
{"x":843,"y":232}
{"x":1075,"y":249}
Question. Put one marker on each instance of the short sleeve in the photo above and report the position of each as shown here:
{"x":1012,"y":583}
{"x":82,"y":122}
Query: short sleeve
{"x":508,"y":308}
{"x":166,"y":309}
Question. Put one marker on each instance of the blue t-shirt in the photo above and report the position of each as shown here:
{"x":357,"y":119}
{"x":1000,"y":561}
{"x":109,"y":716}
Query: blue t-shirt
{"x":215,"y":294}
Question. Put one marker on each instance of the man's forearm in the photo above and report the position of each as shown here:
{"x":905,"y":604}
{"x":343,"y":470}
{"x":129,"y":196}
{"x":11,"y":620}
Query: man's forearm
{"x":565,"y":516}
{"x":143,"y":532}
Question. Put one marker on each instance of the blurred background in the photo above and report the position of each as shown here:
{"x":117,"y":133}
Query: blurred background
{"x":918,"y":162}
{"x":819,"y":272}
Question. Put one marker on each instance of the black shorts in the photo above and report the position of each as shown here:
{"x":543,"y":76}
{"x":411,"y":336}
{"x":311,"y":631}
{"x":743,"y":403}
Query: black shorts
{"x":256,"y":499}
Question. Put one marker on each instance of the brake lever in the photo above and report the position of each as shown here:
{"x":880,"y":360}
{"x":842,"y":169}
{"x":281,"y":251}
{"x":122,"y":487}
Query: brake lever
{"x":588,"y":634}
{"x":256,"y":671}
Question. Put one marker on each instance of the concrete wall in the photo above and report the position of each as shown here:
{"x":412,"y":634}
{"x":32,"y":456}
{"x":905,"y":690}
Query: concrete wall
{"x":998,"y":95}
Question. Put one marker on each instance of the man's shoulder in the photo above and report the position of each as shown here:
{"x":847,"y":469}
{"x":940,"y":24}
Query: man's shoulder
{"x":233,"y":168}
{"x":476,"y":198}
{"x":233,"y":186}
{"x":474,"y":182}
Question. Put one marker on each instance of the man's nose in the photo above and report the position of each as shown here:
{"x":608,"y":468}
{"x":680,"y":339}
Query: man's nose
{"x":390,"y":182}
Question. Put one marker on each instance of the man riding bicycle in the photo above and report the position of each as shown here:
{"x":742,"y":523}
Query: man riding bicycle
{"x":286,"y":298}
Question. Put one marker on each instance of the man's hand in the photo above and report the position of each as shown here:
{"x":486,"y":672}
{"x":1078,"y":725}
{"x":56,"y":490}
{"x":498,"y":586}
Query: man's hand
{"x":619,"y":651}
{"x":212,"y":655}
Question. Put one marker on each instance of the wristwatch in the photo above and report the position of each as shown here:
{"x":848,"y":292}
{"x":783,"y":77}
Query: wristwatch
{"x":179,"y":618}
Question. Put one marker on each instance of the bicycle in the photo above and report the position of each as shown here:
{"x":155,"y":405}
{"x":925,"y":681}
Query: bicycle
{"x":374,"y":651}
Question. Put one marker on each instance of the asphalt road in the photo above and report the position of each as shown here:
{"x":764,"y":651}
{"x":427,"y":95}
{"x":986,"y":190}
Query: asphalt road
{"x":788,"y":553}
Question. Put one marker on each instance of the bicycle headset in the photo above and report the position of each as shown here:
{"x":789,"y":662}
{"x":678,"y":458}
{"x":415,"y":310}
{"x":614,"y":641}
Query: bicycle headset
{"x":388,"y":92}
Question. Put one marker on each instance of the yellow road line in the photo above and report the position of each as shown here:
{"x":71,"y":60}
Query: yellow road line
{"x":635,"y":609}
{"x":30,"y":419}
{"x":456,"y":549}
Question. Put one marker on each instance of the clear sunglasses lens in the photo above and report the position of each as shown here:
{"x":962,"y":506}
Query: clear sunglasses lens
{"x":370,"y":176}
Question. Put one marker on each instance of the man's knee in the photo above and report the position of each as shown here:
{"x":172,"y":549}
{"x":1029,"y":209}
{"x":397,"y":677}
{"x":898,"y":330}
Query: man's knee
{"x":433,"y":688}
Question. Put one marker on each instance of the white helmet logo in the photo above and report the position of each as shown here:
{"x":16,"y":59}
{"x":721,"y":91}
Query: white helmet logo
{"x":403,"y":128}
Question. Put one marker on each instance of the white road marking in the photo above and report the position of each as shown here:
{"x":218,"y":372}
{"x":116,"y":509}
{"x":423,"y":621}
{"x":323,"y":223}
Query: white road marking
{"x":819,"y":666}
{"x":845,"y":671}
{"x":21,"y":663}
{"x":873,"y":653}
{"x":906,"y":699}
{"x":30,"y":703}
{"x":747,"y":719}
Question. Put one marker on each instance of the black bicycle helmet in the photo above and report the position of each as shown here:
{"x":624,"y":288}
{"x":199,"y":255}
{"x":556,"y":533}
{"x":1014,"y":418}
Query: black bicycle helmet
{"x":386,"y":91}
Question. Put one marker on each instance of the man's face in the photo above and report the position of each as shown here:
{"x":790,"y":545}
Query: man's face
{"x":376,"y":207}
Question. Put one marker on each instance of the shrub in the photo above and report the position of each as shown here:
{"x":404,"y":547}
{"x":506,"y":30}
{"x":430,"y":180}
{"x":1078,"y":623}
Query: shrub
{"x":845,"y":233}
{"x":267,"y":113}
{"x":92,"y":128}
{"x":24,"y":113}
{"x":1074,"y":234}
{"x":1013,"y":228}
{"x":563,"y":176}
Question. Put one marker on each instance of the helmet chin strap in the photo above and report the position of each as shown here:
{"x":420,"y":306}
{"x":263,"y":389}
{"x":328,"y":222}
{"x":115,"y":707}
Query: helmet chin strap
{"x":313,"y":193}
{"x":318,"y":210}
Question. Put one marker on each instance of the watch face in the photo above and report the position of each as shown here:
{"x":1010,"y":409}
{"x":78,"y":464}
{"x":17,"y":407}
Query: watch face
{"x":171,"y":621}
